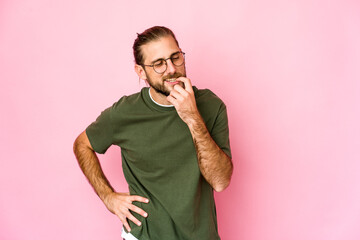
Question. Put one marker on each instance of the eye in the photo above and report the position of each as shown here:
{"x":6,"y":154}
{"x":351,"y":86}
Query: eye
{"x":158,"y":63}
{"x":175,"y":56}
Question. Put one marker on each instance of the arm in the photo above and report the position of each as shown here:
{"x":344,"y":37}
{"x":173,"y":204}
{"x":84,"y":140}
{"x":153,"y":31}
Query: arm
{"x":214,"y":164}
{"x":117,"y":203}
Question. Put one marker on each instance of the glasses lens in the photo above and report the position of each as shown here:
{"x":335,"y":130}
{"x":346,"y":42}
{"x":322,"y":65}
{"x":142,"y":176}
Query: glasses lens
{"x":177,"y":59}
{"x":160,"y":66}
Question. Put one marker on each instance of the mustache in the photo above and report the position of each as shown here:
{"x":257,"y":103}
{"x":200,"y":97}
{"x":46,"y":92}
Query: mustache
{"x":175,"y":75}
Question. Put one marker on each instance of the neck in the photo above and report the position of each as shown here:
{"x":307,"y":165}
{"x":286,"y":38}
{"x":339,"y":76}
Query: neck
{"x":158,"y":97}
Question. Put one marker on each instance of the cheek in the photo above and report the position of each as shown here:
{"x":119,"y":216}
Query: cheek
{"x":155,"y":79}
{"x":183,"y":68}
{"x":182,"y":71}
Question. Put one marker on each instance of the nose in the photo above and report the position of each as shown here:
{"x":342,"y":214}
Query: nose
{"x":170,"y":67}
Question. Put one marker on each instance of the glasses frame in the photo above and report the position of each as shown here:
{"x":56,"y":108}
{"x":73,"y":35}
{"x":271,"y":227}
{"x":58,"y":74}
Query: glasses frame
{"x":166,"y":64}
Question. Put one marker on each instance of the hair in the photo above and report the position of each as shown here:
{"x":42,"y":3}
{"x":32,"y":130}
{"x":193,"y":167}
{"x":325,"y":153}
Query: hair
{"x":147,"y":36}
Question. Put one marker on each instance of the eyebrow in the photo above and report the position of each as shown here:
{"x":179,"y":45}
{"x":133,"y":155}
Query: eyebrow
{"x":164,"y":58}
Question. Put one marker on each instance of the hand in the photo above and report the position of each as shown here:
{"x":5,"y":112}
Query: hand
{"x":121,"y":203}
{"x":184,"y":100}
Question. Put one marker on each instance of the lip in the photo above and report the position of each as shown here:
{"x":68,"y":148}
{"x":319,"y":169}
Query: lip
{"x":172,"y":81}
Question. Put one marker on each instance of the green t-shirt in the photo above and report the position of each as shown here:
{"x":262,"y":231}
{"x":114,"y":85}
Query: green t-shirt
{"x":159,"y":162}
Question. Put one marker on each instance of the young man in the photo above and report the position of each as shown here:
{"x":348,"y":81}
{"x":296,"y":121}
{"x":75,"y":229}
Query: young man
{"x":175,"y":150}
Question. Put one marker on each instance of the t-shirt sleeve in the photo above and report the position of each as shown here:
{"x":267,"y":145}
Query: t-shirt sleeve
{"x":220,"y":130}
{"x":100,"y":132}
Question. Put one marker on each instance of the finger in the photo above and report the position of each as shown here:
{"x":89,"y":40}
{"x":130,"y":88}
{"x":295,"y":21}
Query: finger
{"x":187,"y":83}
{"x":180,"y":89}
{"x":177,"y":95}
{"x":172,"y":100}
{"x":138,"y":199}
{"x":133,"y":219}
{"x":125,"y":224}
{"x":138,"y":210}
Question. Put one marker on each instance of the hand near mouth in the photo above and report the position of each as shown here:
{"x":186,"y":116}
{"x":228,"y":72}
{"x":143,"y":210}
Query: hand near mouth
{"x":184,"y":102}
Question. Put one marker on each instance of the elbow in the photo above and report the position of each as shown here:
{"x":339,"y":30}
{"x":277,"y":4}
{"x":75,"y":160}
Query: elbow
{"x":221,"y":187}
{"x":225,"y":182}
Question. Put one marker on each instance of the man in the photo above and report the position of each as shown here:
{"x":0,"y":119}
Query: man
{"x":174,"y":146}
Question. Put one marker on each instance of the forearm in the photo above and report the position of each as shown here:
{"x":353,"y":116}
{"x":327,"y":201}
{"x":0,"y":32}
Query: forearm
{"x":90,"y":165}
{"x":214,"y":164}
{"x":118,"y":203}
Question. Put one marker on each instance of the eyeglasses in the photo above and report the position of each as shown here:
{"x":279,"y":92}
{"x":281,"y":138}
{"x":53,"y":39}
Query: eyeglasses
{"x":160,"y":65}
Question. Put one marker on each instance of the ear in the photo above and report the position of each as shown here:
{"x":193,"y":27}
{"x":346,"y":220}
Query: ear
{"x":140,"y":72}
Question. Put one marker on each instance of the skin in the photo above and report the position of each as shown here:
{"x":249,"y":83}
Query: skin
{"x":214,"y":164}
{"x":162,"y":48}
{"x":117,"y":203}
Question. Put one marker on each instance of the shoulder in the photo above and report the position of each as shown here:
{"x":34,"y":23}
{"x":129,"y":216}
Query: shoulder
{"x":127,"y":102}
{"x":207,"y":98}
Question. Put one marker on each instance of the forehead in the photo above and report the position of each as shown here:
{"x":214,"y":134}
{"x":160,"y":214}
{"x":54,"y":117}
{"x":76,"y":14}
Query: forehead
{"x":160,"y":48}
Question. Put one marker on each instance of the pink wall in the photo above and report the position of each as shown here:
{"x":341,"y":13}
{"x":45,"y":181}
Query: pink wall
{"x":287,"y":70}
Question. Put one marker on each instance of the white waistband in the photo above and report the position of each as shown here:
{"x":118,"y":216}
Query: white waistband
{"x":127,"y":236}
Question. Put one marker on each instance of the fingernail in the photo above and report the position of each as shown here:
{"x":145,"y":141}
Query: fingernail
{"x":147,"y":200}
{"x":145,"y":215}
{"x":139,"y":223}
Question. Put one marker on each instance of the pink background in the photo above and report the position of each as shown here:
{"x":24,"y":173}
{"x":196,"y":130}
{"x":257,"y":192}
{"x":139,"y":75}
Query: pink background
{"x":287,"y":70}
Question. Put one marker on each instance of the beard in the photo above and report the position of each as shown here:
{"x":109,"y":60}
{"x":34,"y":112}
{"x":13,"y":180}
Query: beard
{"x":160,"y":87}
